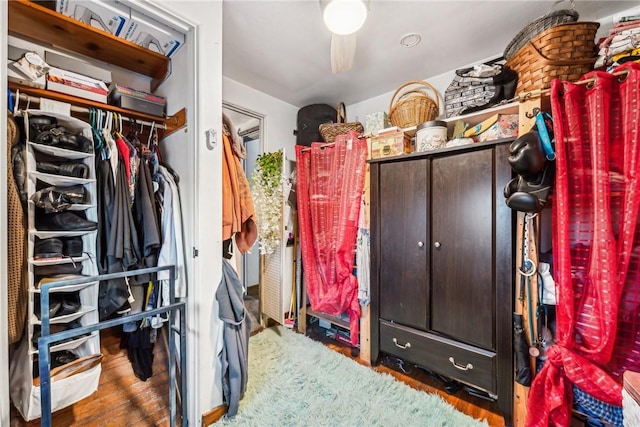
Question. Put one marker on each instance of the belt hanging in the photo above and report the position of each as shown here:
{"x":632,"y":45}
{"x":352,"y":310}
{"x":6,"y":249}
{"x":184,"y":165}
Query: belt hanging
{"x":528,"y":269}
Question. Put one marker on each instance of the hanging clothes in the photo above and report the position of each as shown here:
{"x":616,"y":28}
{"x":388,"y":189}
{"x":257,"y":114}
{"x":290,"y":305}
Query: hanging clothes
{"x":122,"y":248}
{"x":146,"y":220}
{"x":237,"y":328}
{"x":238,"y":213}
{"x":16,"y":226}
{"x":595,"y":241}
{"x":329,"y":186}
{"x":172,"y":251}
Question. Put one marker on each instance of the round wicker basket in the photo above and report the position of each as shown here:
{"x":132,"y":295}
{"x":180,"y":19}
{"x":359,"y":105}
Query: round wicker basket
{"x":564,"y":52}
{"x":414,"y":105}
{"x":536,"y":27}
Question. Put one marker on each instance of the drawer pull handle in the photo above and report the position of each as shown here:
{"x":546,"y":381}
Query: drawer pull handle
{"x":468,"y":367}
{"x":407,"y":345}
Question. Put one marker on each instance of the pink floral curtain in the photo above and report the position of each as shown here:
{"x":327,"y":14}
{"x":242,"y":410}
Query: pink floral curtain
{"x":330,"y":181}
{"x":596,"y":243}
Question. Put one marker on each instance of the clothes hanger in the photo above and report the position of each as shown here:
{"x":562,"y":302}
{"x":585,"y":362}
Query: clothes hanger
{"x":9,"y":100}
{"x":94,"y":118}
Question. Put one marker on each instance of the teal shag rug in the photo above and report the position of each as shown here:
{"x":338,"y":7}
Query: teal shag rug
{"x":295,"y":381}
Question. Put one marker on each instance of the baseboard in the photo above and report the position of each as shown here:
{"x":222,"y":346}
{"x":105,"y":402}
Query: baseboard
{"x":214,"y":415}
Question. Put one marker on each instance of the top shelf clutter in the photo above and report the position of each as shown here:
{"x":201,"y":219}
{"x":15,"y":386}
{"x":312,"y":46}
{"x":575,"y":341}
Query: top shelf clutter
{"x":474,"y":118}
{"x":31,"y":20}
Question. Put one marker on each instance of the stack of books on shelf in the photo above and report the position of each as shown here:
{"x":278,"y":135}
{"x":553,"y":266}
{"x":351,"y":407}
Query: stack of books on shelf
{"x":137,"y":100}
{"x":75,"y":84}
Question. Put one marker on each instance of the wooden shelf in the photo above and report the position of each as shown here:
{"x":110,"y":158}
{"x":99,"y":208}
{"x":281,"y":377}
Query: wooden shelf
{"x":172,"y":123}
{"x":31,"y":20}
{"x":329,"y":318}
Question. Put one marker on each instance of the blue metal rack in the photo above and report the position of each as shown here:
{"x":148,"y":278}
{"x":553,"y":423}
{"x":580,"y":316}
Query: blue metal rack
{"x":46,"y":339}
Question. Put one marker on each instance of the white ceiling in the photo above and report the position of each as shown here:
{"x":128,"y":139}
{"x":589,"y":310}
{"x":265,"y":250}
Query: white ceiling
{"x":282,"y":47}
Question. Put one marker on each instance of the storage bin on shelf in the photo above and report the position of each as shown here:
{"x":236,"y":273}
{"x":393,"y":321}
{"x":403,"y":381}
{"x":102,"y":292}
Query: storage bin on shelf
{"x":391,"y":142}
{"x":565,"y":52}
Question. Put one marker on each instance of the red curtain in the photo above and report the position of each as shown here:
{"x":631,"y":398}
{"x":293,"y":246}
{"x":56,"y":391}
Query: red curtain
{"x":330,"y":181}
{"x":596,"y":243}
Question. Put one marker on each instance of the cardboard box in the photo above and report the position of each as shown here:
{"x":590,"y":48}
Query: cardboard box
{"x":375,"y":122}
{"x":77,"y":66}
{"x":106,"y":16}
{"x":496,"y":127}
{"x":137,"y":100}
{"x":75,"y":84}
{"x":390,"y":144}
{"x":153,"y":35}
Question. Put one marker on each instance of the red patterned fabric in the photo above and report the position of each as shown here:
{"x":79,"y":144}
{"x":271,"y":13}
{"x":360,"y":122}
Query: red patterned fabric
{"x":596,"y":243}
{"x":329,"y":186}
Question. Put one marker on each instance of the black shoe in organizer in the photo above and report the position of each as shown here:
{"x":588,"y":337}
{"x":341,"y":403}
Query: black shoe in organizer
{"x":60,"y":304}
{"x":63,"y":221}
{"x":58,"y":247}
{"x":54,"y":329}
{"x":72,"y":169}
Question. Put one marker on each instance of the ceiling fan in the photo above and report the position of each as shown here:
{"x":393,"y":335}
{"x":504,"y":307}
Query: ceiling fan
{"x":343,"y":18}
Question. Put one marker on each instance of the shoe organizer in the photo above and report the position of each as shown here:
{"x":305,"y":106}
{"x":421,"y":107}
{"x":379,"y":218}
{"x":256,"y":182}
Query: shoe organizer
{"x":56,"y":166}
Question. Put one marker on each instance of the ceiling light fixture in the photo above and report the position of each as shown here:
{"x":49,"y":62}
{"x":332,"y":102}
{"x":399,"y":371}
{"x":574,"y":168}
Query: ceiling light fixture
{"x":410,"y":40}
{"x":344,"y":17}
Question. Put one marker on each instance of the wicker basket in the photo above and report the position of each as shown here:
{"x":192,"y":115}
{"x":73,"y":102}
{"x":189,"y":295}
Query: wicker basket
{"x":541,"y":24}
{"x":565,"y":52}
{"x":413,"y":106}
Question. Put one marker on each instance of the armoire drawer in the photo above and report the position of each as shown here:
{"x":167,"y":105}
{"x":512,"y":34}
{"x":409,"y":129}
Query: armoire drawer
{"x":465,"y":363}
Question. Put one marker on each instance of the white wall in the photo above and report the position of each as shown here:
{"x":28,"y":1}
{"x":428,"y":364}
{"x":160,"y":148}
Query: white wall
{"x":278,"y":125}
{"x":279,"y":117}
{"x":379,"y":103}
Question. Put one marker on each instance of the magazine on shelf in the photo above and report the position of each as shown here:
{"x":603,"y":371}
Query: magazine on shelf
{"x":75,"y":84}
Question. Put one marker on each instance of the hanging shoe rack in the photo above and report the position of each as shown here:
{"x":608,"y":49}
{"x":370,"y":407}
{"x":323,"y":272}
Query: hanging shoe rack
{"x":46,"y":339}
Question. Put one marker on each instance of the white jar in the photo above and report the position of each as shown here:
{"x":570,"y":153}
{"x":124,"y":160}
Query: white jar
{"x":431,"y":135}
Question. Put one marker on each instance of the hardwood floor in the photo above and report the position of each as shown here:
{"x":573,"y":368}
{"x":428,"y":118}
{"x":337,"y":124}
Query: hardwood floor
{"x":122,"y":399}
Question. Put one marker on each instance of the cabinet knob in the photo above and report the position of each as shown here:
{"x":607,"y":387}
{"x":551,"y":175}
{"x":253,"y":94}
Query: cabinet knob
{"x":420,"y":244}
{"x":437,"y":244}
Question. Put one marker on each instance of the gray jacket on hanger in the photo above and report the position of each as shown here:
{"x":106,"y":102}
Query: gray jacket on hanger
{"x":237,"y":327}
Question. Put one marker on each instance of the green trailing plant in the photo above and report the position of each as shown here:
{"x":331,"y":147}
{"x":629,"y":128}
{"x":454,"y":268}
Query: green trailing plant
{"x":267,"y":194}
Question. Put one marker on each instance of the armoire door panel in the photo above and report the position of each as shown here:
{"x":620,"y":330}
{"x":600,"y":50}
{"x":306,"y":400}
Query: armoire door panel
{"x":462,"y":248}
{"x":404,"y":249}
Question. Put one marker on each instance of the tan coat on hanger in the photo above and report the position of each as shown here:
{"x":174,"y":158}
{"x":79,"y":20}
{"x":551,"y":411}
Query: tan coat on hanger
{"x":16,"y":225}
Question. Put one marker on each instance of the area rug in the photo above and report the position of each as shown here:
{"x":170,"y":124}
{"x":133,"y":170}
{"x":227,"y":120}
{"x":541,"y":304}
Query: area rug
{"x":295,"y":381}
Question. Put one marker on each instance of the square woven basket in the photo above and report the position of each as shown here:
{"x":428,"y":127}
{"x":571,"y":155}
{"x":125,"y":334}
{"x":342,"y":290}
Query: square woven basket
{"x":565,"y":52}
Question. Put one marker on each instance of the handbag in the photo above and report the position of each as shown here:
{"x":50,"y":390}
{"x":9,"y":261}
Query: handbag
{"x":479,"y":87}
{"x":329,"y":131}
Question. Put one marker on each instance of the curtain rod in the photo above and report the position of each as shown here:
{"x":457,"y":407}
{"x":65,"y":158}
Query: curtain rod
{"x":84,"y":110}
{"x":528,"y":95}
{"x":328,"y":144}
{"x":248,"y":131}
